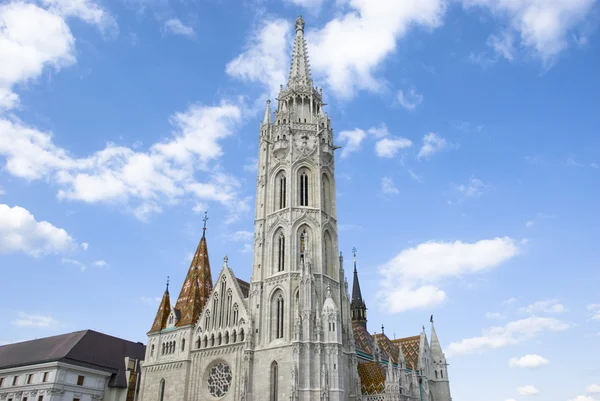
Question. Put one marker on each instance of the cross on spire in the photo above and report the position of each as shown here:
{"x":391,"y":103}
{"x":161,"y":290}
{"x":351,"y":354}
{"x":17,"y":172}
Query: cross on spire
{"x":167,"y":283}
{"x":205,"y":219}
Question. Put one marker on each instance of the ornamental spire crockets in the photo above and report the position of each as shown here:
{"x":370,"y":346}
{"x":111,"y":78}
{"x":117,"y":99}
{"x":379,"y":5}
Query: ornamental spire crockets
{"x":300,"y":70}
{"x":358,"y":306}
{"x":197,"y":285}
{"x":164,"y":309}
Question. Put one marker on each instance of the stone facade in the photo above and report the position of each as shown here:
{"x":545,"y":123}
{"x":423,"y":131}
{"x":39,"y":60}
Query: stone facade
{"x":291,"y":332}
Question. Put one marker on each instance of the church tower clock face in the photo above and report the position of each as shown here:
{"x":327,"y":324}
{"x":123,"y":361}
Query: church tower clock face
{"x":219,"y":379}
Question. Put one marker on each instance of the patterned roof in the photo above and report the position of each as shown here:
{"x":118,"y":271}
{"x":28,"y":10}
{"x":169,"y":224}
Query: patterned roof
{"x":372,"y":377}
{"x":362,"y":338}
{"x":196,"y":287}
{"x":410,"y":349}
{"x":164,"y":309}
{"x":386,"y":345}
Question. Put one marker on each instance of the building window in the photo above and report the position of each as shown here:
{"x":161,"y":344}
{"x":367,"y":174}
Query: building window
{"x":24,"y":399}
{"x":1,"y":381}
{"x":436,"y":376}
{"x":161,"y":390}
{"x":41,"y":398}
{"x":282,"y":190}
{"x":219,"y":380}
{"x":442,"y":373}
{"x":75,"y":399}
{"x":80,"y":380}
{"x":279,"y":317}
{"x":15,"y":379}
{"x":235,"y":314}
{"x":303,"y":188}
{"x":29,"y":378}
{"x":281,"y":253}
{"x":183,"y":344}
{"x":152,"y":350}
{"x":45,"y":377}
{"x":274,"y":381}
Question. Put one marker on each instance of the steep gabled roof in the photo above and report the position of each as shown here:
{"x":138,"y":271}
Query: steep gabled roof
{"x":386,"y":345}
{"x":164,"y":309}
{"x":86,"y":348}
{"x":410,"y":349}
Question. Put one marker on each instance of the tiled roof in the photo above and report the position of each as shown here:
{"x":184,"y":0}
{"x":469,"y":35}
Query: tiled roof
{"x":386,"y":345}
{"x":164,"y":309}
{"x":244,"y":287}
{"x":362,"y":338}
{"x":196,"y":287}
{"x":410,"y":349}
{"x":372,"y":377}
{"x":83,"y":348}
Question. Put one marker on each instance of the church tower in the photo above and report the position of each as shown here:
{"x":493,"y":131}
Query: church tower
{"x":302,"y":343}
{"x":440,"y":367}
{"x":358,"y":306}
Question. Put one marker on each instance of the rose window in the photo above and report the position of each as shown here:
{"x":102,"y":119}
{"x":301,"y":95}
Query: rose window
{"x":219,"y":379}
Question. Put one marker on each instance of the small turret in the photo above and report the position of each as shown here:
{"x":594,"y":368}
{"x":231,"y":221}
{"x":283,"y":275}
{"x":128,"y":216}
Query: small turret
{"x":358,"y":306}
{"x":164,"y":309}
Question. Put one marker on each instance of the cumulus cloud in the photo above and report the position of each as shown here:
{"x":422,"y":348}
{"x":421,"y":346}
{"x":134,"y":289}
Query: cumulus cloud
{"x":409,"y":99}
{"x":143,"y":181}
{"x":388,"y":187}
{"x":348,"y":49}
{"x":432,"y":143}
{"x":583,"y":398}
{"x":309,"y":4}
{"x":543,"y":26}
{"x":176,"y":27}
{"x":530,"y":361}
{"x":389,"y":147}
{"x":28,"y":320}
{"x":85,"y":10}
{"x":242,"y":236}
{"x":595,"y":311}
{"x":386,"y":146}
{"x":20,"y":232}
{"x":510,"y":334}
{"x":473,"y":189}
{"x":414,"y":272}
{"x":351,"y":141}
{"x":266,"y":57}
{"x":548,"y":306}
{"x":593,"y":389}
{"x":528,"y":390}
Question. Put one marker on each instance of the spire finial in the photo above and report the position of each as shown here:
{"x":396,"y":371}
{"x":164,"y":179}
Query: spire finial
{"x":205,"y":219}
{"x":167,"y":283}
{"x":382,"y":329}
{"x":431,"y":319}
{"x":225,"y":260}
{"x":354,"y":253}
{"x":300,"y":23}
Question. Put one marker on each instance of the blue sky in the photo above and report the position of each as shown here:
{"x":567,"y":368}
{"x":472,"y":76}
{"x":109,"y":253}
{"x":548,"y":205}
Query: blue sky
{"x":468,"y":179}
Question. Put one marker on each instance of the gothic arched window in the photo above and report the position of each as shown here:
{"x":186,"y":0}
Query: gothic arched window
{"x":235,"y":314}
{"x":226,"y":337}
{"x":215,"y":309}
{"x":242,"y":335}
{"x":328,"y":264}
{"x":207,"y":320}
{"x":229,"y":302}
{"x":303,"y":245}
{"x":234,"y":337}
{"x":205,"y":341}
{"x":281,"y":252}
{"x":274,"y":381}
{"x":152,"y":350}
{"x":442,"y":373}
{"x":198,"y":342}
{"x":183,"y":344}
{"x":326,"y":194}
{"x":303,"y":187}
{"x":436,"y":375}
{"x":161,"y":390}
{"x":282,"y":190}
{"x":278,"y":309}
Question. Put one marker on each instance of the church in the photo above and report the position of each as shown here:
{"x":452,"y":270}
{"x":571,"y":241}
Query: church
{"x":293,"y":333}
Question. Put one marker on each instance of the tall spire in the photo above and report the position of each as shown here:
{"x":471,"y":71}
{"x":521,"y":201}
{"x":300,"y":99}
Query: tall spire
{"x":436,"y":349}
{"x":300,"y":70}
{"x":357,"y":306}
{"x":164,"y":309}
{"x":197,"y":285}
{"x":267,"y":118}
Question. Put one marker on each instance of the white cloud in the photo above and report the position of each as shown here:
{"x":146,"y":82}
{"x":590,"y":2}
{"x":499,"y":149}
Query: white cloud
{"x":266,"y":58}
{"x":528,"y":390}
{"x":547,"y":306}
{"x":349,"y":48}
{"x":176,"y":27}
{"x":351,"y":141}
{"x":583,"y":398}
{"x":389,"y":147}
{"x":503,"y":45}
{"x":530,"y":361}
{"x":529,"y":223}
{"x":247,"y":248}
{"x":543,"y":25}
{"x":242,"y":236}
{"x":592,"y":388}
{"x":432,"y":143}
{"x":474,"y":188}
{"x":414,"y":271}
{"x":310,"y":4}
{"x":85,"y":246}
{"x":415,"y":177}
{"x":388,"y":187}
{"x":27,"y":320}
{"x":252,"y":165}
{"x":99,"y":263}
{"x":595,"y":310}
{"x":20,"y":232}
{"x":510,"y":334}
{"x":31,"y":38}
{"x":74,"y":262}
{"x":85,"y":10}
{"x":494,"y":315}
{"x":143,"y":181}
{"x":409,"y":100}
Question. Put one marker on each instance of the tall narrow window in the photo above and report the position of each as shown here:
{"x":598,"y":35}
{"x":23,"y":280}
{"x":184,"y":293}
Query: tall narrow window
{"x":235,"y":314}
{"x":161,"y":390}
{"x":281,"y":253}
{"x":303,"y":244}
{"x":229,"y":301}
{"x":442,"y":373}
{"x":279,"y":317}
{"x":215,"y":310}
{"x":207,"y":321}
{"x":303,"y":189}
{"x":274,"y":381}
{"x":152,"y":350}
{"x":326,"y":194}
{"x":282,"y":190}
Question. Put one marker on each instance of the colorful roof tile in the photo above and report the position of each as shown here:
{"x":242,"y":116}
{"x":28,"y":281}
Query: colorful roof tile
{"x":196,"y":287}
{"x":372,"y":377}
{"x":164,"y":309}
{"x":387,"y":346}
{"x":410,"y":349}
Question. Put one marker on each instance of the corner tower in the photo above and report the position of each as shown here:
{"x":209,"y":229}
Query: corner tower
{"x":298,"y":298}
